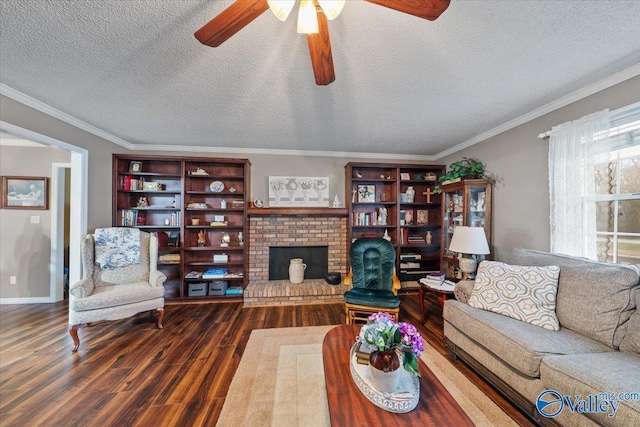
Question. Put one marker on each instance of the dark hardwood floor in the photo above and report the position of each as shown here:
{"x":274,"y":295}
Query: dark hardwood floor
{"x":128,"y":373}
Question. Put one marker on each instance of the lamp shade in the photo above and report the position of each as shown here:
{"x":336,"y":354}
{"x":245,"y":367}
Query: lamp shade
{"x":281,"y":8}
{"x":307,"y":18}
{"x":469,"y":240}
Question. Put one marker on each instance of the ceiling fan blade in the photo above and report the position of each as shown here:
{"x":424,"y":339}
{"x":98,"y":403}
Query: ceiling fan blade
{"x":426,"y":9}
{"x":230,"y":21}
{"x":320,"y":50}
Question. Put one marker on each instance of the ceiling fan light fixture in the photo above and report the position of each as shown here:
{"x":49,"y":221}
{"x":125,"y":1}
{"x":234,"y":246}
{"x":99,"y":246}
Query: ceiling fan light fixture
{"x":307,"y":18}
{"x":281,"y":8}
{"x":331,"y":8}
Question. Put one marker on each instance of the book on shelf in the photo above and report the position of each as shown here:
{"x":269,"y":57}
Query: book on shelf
{"x":415,"y":241}
{"x":129,"y":218}
{"x":409,"y":265}
{"x":169,"y":258}
{"x":130,"y":183}
{"x":193,"y":275}
{"x":410,"y":257}
{"x":364,"y":218}
{"x":215,"y":273}
{"x":174,"y":219}
{"x":174,"y":238}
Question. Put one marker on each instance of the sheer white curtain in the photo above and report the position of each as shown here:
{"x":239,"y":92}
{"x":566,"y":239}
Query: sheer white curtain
{"x":572,"y":150}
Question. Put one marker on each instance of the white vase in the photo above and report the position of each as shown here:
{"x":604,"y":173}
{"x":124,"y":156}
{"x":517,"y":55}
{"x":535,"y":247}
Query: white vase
{"x":411,"y":194}
{"x":296,"y":270}
{"x":385,"y":382}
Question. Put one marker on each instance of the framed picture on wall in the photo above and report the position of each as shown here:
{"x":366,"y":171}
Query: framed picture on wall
{"x":25,"y":192}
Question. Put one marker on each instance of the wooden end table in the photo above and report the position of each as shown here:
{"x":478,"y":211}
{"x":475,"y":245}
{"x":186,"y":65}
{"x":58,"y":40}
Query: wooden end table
{"x":442,"y":294}
{"x":349,"y":407}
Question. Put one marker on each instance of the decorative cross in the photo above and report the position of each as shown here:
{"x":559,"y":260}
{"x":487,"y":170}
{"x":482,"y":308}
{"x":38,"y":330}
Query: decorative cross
{"x":428,"y":193}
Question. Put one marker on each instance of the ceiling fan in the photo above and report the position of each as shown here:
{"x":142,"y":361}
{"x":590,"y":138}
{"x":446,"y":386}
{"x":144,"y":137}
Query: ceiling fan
{"x":316,"y":12}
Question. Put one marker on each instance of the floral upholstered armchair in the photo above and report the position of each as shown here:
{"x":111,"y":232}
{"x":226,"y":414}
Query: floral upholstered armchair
{"x":120,"y":279}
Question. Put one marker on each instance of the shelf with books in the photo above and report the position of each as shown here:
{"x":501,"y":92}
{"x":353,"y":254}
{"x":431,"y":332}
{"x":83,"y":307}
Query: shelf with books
{"x":186,"y":200}
{"x":379,"y":203}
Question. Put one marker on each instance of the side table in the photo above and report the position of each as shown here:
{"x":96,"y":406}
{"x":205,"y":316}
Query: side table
{"x":442,"y":292}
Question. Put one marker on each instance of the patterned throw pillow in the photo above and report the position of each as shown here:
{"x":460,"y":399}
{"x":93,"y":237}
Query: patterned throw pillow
{"x":524,"y":293}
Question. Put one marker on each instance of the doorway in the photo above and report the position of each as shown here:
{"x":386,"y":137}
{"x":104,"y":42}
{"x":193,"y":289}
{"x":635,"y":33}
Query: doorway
{"x":78,"y":207}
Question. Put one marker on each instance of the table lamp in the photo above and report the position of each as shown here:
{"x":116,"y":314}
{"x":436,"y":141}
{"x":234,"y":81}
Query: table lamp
{"x":468,"y":241}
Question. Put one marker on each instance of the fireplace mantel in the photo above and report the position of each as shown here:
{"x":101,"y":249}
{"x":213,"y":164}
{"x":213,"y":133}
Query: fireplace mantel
{"x":298,"y":211}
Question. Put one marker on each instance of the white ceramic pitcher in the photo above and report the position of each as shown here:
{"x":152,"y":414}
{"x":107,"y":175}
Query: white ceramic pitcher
{"x":296,"y":270}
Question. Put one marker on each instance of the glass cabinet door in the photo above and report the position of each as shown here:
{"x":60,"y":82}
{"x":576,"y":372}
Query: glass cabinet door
{"x":467,"y":203}
{"x":453,"y":216}
{"x":478,"y":207}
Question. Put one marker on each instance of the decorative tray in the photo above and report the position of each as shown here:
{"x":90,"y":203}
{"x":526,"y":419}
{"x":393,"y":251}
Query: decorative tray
{"x":403,"y":399}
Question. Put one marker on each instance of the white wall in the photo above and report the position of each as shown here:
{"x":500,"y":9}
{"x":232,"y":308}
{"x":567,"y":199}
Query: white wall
{"x":519,"y":161}
{"x":25,"y":248}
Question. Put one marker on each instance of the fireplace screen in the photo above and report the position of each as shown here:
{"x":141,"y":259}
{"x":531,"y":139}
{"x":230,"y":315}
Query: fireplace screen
{"x":316,"y":258}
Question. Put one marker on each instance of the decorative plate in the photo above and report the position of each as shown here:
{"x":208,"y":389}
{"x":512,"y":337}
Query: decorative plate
{"x":216,"y":186}
{"x":258,"y":203}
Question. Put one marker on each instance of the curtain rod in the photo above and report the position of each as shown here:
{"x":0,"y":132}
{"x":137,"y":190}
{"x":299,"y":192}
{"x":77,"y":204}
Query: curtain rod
{"x":547,"y":134}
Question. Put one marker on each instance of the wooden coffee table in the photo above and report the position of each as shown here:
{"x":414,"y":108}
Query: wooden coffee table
{"x":349,"y":407}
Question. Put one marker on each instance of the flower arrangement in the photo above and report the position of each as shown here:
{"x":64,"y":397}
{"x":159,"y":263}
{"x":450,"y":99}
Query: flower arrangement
{"x":382,"y":332}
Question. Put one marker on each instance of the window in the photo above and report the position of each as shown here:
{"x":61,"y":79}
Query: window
{"x":617,"y":197}
{"x":594,"y":178}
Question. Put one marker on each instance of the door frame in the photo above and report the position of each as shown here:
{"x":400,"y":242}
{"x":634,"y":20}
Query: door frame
{"x":79,"y":201}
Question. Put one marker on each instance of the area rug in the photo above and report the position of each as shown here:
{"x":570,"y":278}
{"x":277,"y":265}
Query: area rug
{"x":280,"y":382}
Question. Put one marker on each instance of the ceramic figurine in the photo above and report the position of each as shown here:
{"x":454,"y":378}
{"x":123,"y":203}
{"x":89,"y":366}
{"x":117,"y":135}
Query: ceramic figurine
{"x":336,"y":202}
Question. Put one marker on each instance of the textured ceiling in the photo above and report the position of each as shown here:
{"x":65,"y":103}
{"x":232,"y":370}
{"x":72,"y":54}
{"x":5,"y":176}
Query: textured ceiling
{"x":403,"y":85}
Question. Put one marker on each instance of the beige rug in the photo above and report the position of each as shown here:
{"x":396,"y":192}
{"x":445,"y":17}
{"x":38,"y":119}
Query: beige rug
{"x":280,"y":382}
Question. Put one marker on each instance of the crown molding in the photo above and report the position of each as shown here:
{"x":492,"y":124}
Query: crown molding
{"x":55,"y":113}
{"x":282,"y":152}
{"x":605,"y":83}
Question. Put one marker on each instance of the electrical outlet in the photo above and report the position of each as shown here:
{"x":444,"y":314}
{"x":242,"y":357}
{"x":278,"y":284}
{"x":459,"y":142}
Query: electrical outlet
{"x":35,"y":219}
{"x":13,"y":280}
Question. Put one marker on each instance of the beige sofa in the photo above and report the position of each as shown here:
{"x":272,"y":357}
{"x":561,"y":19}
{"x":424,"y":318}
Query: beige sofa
{"x":596,"y":350}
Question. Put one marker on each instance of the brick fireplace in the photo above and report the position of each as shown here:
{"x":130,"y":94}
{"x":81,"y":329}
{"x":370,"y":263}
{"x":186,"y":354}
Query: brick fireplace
{"x":294,"y":227}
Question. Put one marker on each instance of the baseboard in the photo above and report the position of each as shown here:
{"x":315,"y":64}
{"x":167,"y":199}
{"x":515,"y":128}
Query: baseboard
{"x":26,"y":300}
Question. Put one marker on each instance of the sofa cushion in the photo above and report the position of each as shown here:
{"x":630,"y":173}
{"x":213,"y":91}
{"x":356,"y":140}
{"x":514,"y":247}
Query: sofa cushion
{"x":591,"y":374}
{"x":518,"y":344}
{"x":112,"y":296}
{"x":524,"y":293}
{"x":594,"y":298}
{"x":631,"y":340}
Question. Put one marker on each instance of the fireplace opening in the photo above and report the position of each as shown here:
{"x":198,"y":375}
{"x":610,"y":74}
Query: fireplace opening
{"x":316,"y":258}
